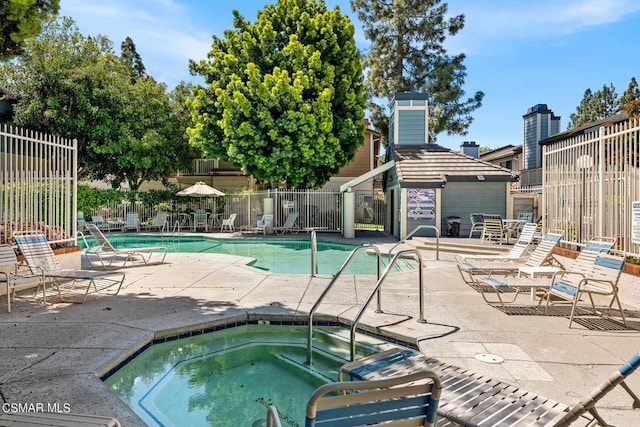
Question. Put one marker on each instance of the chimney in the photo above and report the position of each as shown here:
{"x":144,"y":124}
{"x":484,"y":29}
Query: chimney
{"x":471,"y":149}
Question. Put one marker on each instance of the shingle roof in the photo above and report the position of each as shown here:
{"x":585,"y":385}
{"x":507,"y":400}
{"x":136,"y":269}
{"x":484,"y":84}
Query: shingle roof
{"x":433,"y":164}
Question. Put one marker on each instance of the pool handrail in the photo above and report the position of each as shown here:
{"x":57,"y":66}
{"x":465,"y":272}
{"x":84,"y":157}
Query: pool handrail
{"x":414,"y":231}
{"x":326,"y":290}
{"x":314,"y":251}
{"x":376,"y":289}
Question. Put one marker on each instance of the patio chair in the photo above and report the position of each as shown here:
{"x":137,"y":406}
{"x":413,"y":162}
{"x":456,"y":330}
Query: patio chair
{"x":229,"y":223}
{"x":601,"y":280}
{"x":159,"y":222}
{"x":408,"y":400}
{"x":288,"y":224}
{"x":132,"y":223}
{"x":471,"y":399}
{"x":470,"y":268}
{"x":582,"y":267}
{"x":80,"y":222}
{"x":15,"y":279}
{"x":493,"y":229}
{"x":107,"y":254}
{"x":200,"y":220}
{"x":477,"y":223}
{"x":38,"y":254}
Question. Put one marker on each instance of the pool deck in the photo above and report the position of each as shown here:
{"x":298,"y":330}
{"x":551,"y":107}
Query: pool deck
{"x":54,"y":354}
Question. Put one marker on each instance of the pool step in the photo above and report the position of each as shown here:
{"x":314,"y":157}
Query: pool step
{"x":458,"y":246}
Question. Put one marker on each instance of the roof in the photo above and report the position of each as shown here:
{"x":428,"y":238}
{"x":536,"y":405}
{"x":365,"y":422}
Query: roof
{"x":588,"y":128}
{"x":506,"y":152}
{"x":431,"y":164}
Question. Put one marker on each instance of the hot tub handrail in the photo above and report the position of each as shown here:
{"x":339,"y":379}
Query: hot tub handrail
{"x":414,"y":231}
{"x":376,"y":289}
{"x":326,"y":290}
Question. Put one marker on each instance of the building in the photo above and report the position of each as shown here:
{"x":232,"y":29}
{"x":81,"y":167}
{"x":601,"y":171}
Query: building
{"x":429,"y":183}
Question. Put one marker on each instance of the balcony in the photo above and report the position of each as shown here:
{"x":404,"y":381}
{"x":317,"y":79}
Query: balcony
{"x":208,"y":167}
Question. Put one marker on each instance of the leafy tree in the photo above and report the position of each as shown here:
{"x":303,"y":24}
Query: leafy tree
{"x":131,"y":58}
{"x":630,"y":99}
{"x":72,"y":86}
{"x":284,"y":99}
{"x":76,"y":87}
{"x":595,"y":106}
{"x":407,"y":54}
{"x":22,"y":19}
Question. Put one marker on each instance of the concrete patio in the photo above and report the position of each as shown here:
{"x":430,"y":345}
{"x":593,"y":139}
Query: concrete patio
{"x":56,"y":353}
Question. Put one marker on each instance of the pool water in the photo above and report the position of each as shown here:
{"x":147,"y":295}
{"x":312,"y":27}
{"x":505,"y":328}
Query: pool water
{"x":229,"y":377}
{"x":274,"y":255}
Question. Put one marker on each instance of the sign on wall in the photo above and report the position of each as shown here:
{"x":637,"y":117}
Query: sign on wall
{"x":635,"y":222}
{"x":421,"y":204}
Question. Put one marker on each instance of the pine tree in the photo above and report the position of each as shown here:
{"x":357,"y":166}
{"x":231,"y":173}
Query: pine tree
{"x":595,"y":106}
{"x":130,"y":57}
{"x":407,"y":54}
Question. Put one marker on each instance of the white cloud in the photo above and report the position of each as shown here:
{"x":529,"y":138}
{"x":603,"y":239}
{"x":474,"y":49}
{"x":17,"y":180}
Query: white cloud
{"x":488,"y":23}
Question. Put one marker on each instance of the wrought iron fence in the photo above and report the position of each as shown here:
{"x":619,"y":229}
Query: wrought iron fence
{"x":37,"y":177}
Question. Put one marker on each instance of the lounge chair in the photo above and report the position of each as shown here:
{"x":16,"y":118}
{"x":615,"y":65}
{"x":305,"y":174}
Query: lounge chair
{"x":15,"y":279}
{"x":98,"y":221}
{"x":55,"y":419}
{"x":38,"y":254}
{"x":477,"y":223}
{"x":81,"y":223}
{"x":159,"y":222}
{"x":229,"y":223}
{"x":133,"y":222}
{"x":408,"y":400}
{"x":517,"y":251}
{"x":582,"y":267}
{"x":288,"y":224}
{"x":107,"y":254}
{"x":470,"y":269}
{"x":262,"y":224}
{"x":471,"y":399}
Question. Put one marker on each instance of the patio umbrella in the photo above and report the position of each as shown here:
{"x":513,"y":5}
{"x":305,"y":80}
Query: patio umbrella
{"x":200,"y":189}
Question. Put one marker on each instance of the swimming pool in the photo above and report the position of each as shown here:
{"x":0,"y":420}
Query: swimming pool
{"x":274,"y":255}
{"x":229,"y":377}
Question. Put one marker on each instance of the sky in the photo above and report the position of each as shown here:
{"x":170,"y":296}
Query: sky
{"x":519,"y":53}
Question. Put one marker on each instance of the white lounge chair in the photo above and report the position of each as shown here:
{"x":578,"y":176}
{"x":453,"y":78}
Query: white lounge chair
{"x":517,"y":251}
{"x":133,"y":222}
{"x":472,"y":399}
{"x":109,"y":257}
{"x":38,"y":254}
{"x":14,"y":278}
{"x":288,"y":224}
{"x":263,"y":223}
{"x":159,"y":222}
{"x":229,"y":223}
{"x":470,"y":269}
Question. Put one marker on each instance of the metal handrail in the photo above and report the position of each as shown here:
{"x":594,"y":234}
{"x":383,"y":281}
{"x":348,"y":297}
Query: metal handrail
{"x":376,"y":289}
{"x":414,"y":231}
{"x":314,"y":253}
{"x":326,"y":290}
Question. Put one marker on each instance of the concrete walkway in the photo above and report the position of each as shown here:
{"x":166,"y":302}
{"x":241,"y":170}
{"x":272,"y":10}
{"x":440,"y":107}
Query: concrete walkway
{"x":54,"y":354}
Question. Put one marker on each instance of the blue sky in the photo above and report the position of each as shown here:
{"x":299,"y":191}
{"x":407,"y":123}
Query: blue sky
{"x":519,"y":53}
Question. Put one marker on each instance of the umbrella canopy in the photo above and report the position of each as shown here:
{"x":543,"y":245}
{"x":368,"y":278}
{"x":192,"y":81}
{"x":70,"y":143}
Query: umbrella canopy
{"x":200,"y":189}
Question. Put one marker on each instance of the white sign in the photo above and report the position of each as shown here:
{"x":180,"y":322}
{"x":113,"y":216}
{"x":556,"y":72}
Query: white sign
{"x":635,"y":222}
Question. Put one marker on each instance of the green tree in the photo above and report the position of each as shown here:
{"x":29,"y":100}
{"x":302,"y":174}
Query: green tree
{"x":22,"y":19}
{"x":407,"y":55}
{"x":76,"y":87}
{"x":284,"y":99}
{"x":72,"y":86}
{"x":630,"y":99}
{"x":595,"y":106}
{"x":131,"y":58}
